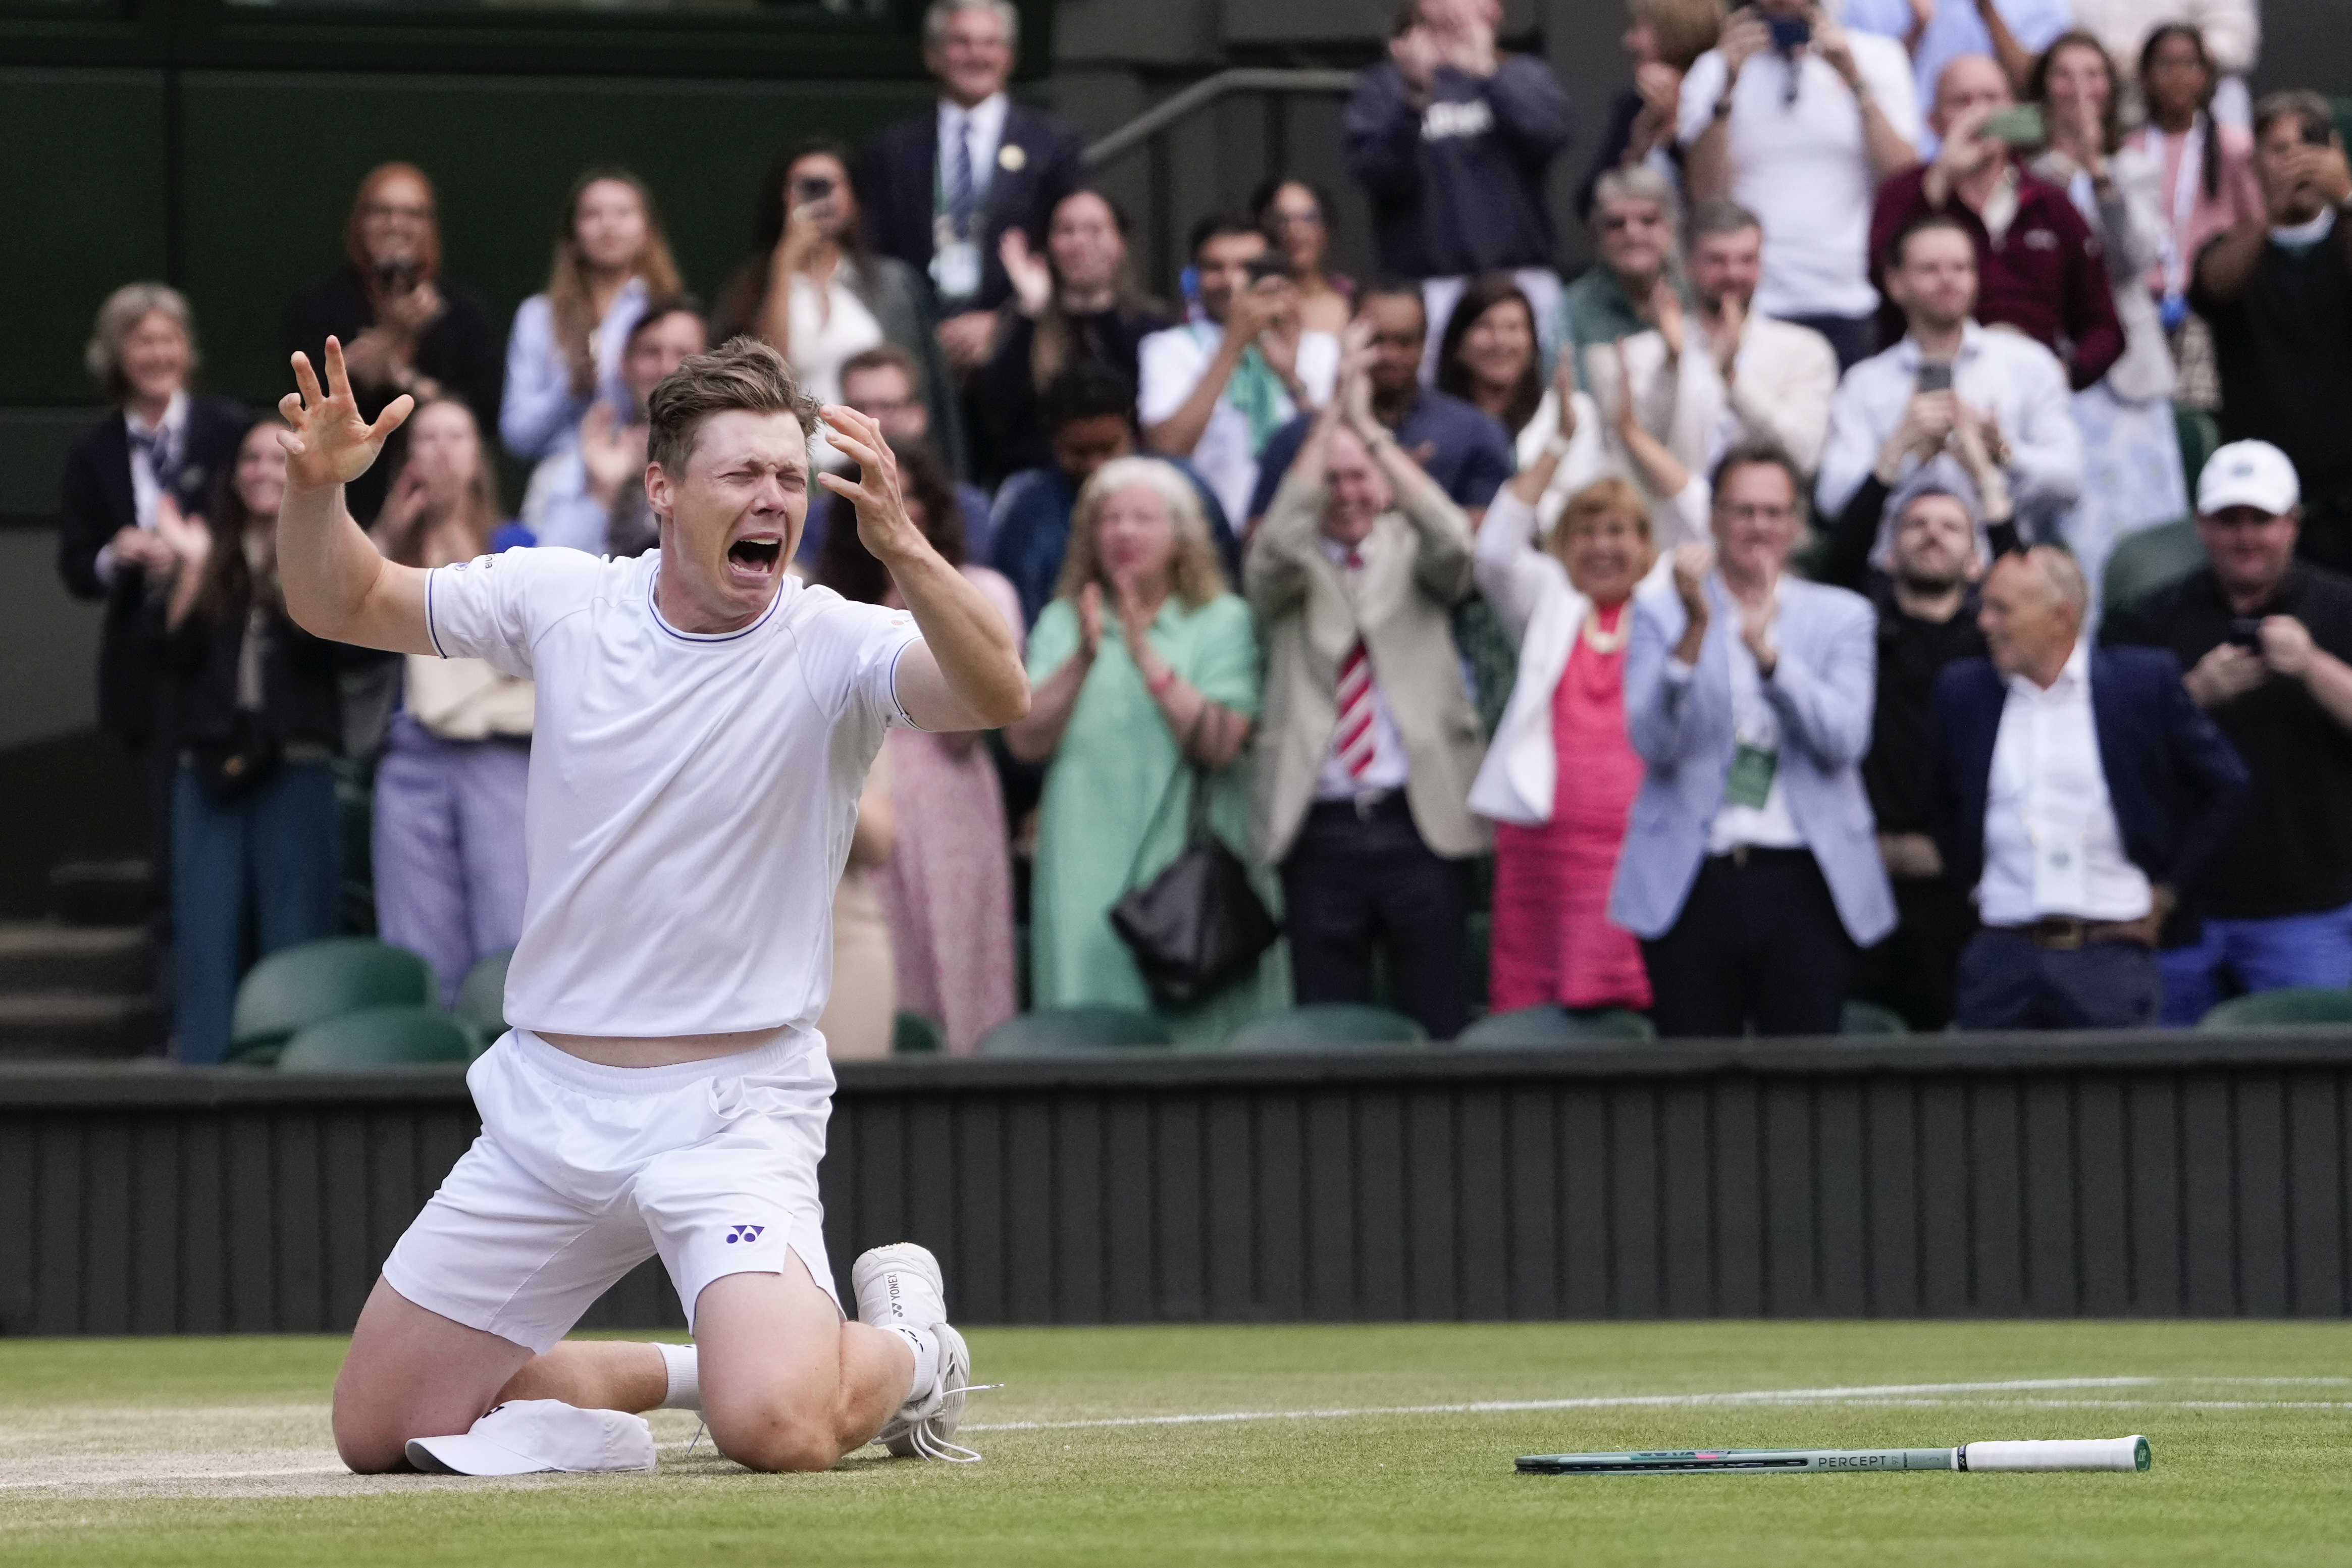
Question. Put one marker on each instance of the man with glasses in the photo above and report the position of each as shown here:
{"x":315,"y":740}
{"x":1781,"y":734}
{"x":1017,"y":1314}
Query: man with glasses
{"x":1632,"y":288}
{"x":885,"y":385}
{"x":1751,"y":871}
{"x":2267,"y":642}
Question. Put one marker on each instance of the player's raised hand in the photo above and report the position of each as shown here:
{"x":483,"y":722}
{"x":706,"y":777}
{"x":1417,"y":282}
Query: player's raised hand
{"x":883,"y":526}
{"x":330,"y":443}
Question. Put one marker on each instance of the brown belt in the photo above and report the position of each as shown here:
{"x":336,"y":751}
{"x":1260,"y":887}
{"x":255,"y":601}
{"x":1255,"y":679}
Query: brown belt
{"x":2063,"y":933}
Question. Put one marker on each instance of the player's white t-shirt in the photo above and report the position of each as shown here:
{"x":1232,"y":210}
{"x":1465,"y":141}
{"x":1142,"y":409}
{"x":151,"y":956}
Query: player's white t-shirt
{"x":692,"y":797}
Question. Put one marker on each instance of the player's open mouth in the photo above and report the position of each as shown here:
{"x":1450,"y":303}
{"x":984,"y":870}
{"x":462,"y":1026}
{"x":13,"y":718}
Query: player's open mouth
{"x":755,"y":557}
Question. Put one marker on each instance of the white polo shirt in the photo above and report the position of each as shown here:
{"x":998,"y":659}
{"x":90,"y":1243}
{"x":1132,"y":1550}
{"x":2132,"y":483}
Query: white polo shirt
{"x":691,"y":796}
{"x":1798,"y":164}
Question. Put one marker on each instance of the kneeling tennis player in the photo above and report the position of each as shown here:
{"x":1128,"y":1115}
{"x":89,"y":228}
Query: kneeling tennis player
{"x":705,"y":724}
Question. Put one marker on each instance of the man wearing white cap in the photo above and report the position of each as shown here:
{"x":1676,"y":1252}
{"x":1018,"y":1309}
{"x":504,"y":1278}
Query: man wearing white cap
{"x":2267,"y":642}
{"x":705,"y":725}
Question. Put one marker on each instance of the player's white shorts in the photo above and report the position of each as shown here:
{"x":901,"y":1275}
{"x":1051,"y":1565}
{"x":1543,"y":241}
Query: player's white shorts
{"x":583,"y":1172}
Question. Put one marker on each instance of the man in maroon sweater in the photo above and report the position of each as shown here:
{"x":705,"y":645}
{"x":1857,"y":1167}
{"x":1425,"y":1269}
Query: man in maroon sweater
{"x":2039,"y":267}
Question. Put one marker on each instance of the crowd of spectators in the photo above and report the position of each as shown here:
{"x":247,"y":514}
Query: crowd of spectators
{"x":1740,"y":603}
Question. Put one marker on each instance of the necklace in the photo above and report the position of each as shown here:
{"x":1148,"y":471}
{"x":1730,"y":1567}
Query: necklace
{"x":1604,"y":639}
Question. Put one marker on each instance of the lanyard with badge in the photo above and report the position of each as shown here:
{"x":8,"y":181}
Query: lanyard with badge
{"x":955,"y":256}
{"x":1755,"y":732}
{"x":2169,"y":254}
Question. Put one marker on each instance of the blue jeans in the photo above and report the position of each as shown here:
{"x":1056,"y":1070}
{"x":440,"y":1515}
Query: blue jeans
{"x":2263,"y":955}
{"x":278,"y":847}
{"x":2009,"y":983}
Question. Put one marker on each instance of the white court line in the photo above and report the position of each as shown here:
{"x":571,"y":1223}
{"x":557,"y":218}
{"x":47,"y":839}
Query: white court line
{"x":1922,"y":1395}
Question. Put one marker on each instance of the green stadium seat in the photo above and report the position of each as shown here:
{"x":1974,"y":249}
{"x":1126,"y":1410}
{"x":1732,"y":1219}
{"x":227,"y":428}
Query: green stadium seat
{"x":482,"y":999}
{"x":2199,"y":436}
{"x":2146,"y":561}
{"x":1326,"y":1025}
{"x":2296,"y":1005}
{"x":1058,"y":1029}
{"x":1554,"y":1025}
{"x":298,"y":986}
{"x":1870,"y":1018}
{"x":912,"y":1035}
{"x":404,"y":1035}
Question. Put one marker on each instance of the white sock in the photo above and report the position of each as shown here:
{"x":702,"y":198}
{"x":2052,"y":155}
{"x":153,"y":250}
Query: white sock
{"x":926,"y":1357}
{"x":685,"y":1371}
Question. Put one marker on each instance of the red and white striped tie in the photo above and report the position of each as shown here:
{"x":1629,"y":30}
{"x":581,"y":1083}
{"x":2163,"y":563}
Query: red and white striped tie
{"x":1355,"y":742}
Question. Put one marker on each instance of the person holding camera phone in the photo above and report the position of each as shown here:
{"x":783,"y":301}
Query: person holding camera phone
{"x":2040,"y":269}
{"x":1217,"y":389}
{"x":1797,"y":121}
{"x":2277,"y":293}
{"x":2267,"y":644}
{"x":407,"y":326}
{"x":1950,"y":374}
{"x":815,"y":291}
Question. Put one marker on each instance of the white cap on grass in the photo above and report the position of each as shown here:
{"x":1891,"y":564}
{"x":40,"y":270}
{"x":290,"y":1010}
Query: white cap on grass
{"x":2248,"y":473}
{"x":525,"y":1435}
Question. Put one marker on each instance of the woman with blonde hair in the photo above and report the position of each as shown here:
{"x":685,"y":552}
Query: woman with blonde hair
{"x":1125,"y":706}
{"x":449,"y":847}
{"x":1560,"y":778}
{"x":565,"y":351}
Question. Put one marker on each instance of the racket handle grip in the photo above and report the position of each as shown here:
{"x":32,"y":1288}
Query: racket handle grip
{"x":2074,"y":1454}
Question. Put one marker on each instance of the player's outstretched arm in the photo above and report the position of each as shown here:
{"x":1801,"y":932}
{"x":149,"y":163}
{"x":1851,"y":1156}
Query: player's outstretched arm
{"x":337,"y":585}
{"x":967,"y":673}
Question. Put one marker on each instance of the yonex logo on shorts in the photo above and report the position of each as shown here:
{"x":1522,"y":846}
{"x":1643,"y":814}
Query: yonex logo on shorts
{"x":743,"y":1233}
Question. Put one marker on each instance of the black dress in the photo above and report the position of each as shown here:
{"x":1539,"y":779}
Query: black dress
{"x":462,"y":349}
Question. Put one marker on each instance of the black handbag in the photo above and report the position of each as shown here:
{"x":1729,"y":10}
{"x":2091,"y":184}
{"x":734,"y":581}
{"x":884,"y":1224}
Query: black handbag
{"x":234,"y":765}
{"x":1198,"y":926}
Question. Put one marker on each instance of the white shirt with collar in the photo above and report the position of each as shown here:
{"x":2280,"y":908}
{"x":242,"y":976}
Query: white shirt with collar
{"x":145,"y":488}
{"x":2052,"y":847}
{"x":1387,"y":770}
{"x":1998,"y":371}
{"x":1753,"y":723}
{"x":982,"y":128}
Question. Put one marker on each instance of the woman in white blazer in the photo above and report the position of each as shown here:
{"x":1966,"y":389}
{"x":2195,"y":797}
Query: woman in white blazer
{"x":1560,"y":775}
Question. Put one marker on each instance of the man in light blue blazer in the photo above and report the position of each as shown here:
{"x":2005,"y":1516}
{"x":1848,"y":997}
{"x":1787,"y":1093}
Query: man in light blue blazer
{"x":1750,"y":871}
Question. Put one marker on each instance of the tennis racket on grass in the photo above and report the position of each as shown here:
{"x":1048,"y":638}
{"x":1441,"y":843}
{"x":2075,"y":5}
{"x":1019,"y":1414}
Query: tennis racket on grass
{"x":2071,"y":1454}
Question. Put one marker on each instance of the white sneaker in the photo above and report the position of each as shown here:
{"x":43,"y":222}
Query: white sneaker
{"x":899,"y":1286}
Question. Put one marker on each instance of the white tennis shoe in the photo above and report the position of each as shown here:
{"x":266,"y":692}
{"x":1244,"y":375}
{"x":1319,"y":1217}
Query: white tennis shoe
{"x":898,"y":1286}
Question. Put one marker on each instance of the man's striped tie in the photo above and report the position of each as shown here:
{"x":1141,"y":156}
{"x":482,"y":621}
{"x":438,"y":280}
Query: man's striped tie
{"x":1356,"y":742}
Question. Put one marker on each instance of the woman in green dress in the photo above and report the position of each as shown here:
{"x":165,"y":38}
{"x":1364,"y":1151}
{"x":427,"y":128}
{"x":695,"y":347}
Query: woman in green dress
{"x":1144,"y":662}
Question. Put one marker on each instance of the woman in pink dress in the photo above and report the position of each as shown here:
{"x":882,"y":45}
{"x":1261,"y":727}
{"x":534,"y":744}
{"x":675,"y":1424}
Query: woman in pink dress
{"x":1560,"y":776}
{"x":946,"y":890}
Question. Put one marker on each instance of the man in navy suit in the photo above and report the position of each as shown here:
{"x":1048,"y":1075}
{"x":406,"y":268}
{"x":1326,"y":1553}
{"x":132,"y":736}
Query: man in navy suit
{"x":943,"y":189}
{"x":2083,"y":787}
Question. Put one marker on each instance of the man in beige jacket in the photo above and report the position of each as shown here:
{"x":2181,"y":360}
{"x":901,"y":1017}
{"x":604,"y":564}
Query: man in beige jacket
{"x":1369,"y":740}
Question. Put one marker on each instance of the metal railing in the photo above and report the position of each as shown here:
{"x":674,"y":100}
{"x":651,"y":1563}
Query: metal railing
{"x":1149,"y":132}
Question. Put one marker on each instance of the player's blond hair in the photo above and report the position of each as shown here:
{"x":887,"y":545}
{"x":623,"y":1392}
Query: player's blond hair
{"x":742,"y":372}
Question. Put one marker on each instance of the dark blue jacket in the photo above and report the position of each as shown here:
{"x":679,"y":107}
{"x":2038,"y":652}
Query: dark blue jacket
{"x":2173,"y":779}
{"x":900,"y":191}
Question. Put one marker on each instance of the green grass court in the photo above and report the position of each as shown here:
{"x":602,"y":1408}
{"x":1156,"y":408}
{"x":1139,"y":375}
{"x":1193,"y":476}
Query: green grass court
{"x":1352,"y":1446}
